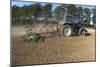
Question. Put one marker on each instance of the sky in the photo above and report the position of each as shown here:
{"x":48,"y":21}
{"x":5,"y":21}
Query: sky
{"x":54,"y":5}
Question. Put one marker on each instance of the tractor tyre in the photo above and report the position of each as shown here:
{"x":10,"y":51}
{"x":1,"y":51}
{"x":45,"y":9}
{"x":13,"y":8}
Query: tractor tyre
{"x":66,"y":30}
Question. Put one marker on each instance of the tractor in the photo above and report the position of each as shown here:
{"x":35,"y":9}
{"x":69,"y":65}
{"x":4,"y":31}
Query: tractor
{"x":71,"y":25}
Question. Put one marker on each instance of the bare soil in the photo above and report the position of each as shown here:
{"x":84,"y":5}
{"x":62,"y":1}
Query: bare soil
{"x":54,"y":49}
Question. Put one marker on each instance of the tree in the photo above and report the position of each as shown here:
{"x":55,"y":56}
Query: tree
{"x":71,"y":9}
{"x":80,"y":10}
{"x":47,"y":11}
{"x":15,"y":12}
{"x":87,"y":12}
{"x":94,"y":16}
{"x":94,"y":11}
{"x":57,"y":12}
{"x":36,"y":9}
{"x":87,"y":15}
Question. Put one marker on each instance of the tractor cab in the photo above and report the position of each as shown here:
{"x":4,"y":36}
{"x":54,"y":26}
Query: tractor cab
{"x":72,"y":20}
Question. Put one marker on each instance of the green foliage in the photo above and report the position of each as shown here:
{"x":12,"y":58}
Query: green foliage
{"x":94,"y":16}
{"x":80,"y":10}
{"x":87,"y":15}
{"x":37,"y":8}
{"x":57,"y":12}
{"x":47,"y":10}
{"x":71,"y":9}
{"x":87,"y":12}
{"x":94,"y":11}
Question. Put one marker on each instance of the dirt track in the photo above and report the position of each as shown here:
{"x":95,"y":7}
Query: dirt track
{"x":53,"y":50}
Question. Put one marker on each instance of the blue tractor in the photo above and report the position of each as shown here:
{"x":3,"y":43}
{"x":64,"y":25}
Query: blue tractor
{"x":72,"y":25}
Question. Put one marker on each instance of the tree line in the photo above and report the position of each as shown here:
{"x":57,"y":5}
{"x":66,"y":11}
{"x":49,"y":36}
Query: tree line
{"x":36,"y":12}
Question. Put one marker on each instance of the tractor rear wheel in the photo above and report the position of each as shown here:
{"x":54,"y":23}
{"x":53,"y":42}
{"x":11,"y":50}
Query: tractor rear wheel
{"x":66,"y":30}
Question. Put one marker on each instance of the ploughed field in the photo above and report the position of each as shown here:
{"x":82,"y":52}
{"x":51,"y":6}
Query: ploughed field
{"x":55,"y":49}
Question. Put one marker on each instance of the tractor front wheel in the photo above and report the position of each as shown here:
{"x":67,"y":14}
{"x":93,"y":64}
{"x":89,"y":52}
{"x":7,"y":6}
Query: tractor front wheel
{"x":82,"y":32}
